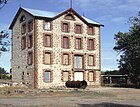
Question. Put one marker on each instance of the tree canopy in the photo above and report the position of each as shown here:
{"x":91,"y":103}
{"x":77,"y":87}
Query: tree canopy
{"x":4,"y":42}
{"x":128,"y":45}
{"x":2,"y":3}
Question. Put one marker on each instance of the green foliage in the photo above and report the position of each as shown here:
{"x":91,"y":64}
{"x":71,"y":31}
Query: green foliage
{"x":2,"y":3}
{"x":4,"y":42}
{"x":3,"y":74}
{"x":114,"y":72}
{"x":2,"y":70}
{"x":128,"y":45}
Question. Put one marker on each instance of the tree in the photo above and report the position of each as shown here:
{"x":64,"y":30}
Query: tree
{"x":4,"y":42}
{"x":2,"y":3}
{"x":2,"y":70}
{"x":128,"y":46}
{"x":113,"y":72}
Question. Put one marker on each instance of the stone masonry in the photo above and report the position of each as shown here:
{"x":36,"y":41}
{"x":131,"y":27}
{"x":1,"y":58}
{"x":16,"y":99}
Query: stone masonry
{"x":33,"y":75}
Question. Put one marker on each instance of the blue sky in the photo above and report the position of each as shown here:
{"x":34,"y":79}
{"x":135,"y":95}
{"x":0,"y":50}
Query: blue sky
{"x":113,"y":14}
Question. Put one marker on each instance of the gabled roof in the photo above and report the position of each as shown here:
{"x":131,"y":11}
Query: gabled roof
{"x":52,"y":15}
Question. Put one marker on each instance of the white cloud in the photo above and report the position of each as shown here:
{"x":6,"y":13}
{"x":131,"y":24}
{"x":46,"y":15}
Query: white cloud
{"x":110,"y":10}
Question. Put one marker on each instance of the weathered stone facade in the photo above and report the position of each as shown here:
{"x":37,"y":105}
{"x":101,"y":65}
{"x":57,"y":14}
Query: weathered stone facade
{"x":33,"y":75}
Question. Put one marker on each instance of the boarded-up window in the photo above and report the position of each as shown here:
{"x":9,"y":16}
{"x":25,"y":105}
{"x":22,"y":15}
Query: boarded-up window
{"x":78,"y":44}
{"x":90,"y":76}
{"x":65,"y":59}
{"x":65,"y":75}
{"x":91,"y":60}
{"x":78,"y":76}
{"x":65,"y":27}
{"x":78,"y":29}
{"x":47,"y":40}
{"x":47,"y":76}
{"x":65,"y":42}
{"x":91,"y":44}
{"x":90,"y":30}
{"x":30,"y":41}
{"x":30,"y":26}
{"x":23,"y":28}
{"x":78,"y":62}
{"x":23,"y":42}
{"x":30,"y":58}
{"x":47,"y":58}
{"x":47,"y":25}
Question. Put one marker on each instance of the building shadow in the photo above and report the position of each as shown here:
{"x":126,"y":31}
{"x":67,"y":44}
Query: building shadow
{"x":106,"y":105}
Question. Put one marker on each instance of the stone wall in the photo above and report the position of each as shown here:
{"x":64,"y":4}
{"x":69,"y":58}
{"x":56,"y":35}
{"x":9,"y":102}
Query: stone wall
{"x":56,"y":67}
{"x":21,"y":71}
{"x":36,"y":70}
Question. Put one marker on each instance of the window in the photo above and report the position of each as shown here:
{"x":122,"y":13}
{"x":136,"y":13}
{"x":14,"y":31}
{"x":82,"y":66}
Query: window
{"x":78,"y":44}
{"x":23,"y":18}
{"x":91,"y":44}
{"x":47,"y":58}
{"x":30,"y":58}
{"x":47,"y":40}
{"x":30,"y":41}
{"x":90,"y":60}
{"x":47,"y":76}
{"x":30,"y":26}
{"x":90,"y":30}
{"x":78,"y":76}
{"x":47,"y":25}
{"x":69,"y":17}
{"x":65,"y":42}
{"x":23,"y":42}
{"x":78,"y":62}
{"x":78,"y":29}
{"x":65,"y":27}
{"x":65,"y":59}
{"x":90,"y":76}
{"x":23,"y":28}
{"x":65,"y":76}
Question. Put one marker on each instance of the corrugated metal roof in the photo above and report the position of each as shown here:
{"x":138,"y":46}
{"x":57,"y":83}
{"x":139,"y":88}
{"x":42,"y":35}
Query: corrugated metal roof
{"x":90,"y":21}
{"x":41,"y":13}
{"x":48,"y":14}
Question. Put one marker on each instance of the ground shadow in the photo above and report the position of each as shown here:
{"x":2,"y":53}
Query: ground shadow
{"x":106,"y":105}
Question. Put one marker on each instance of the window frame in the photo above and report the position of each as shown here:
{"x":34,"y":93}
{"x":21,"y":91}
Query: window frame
{"x":44,"y":79}
{"x":79,"y":69}
{"x":68,"y":42}
{"x":89,"y":45}
{"x":44,"y":62}
{"x":23,"y":28}
{"x":93,"y":30}
{"x":30,"y":58}
{"x":23,"y":42}
{"x":92,"y":76}
{"x":45,"y":41}
{"x":48,"y":29}
{"x":76,"y":29}
{"x":22,"y":18}
{"x":30,"y":27}
{"x":30,"y":41}
{"x":68,"y":58}
{"x":93,"y":60}
{"x":63,"y":27}
{"x":63,"y":76}
{"x":81,"y":43}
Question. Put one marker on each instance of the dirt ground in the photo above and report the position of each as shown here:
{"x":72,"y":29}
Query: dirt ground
{"x":63,"y":97}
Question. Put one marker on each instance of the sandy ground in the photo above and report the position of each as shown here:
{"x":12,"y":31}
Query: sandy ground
{"x":90,"y":97}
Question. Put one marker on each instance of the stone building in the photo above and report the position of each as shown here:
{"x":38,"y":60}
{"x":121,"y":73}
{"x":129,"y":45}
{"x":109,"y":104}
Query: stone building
{"x":51,"y":48}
